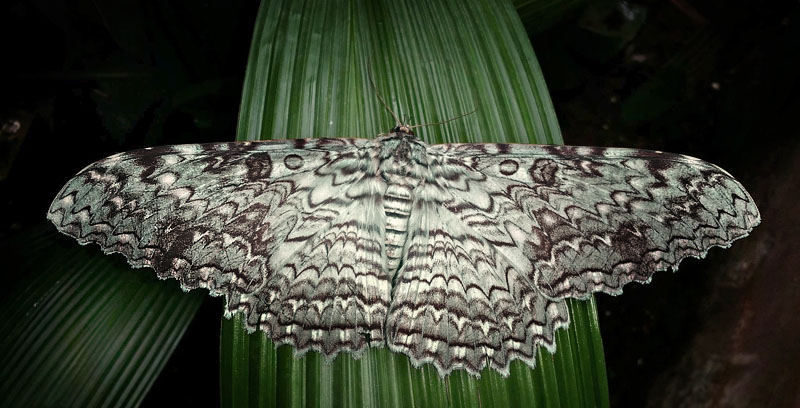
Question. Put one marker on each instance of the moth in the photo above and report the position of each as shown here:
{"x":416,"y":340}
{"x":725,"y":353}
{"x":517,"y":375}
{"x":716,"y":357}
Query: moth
{"x":458,"y":255}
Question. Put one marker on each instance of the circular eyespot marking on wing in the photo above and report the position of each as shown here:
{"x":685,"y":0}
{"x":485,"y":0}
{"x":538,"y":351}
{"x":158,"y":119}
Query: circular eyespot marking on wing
{"x":508,"y":167}
{"x":293,"y":162}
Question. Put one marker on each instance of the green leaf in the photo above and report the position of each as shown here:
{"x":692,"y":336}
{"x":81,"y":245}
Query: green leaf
{"x":80,"y":329}
{"x":309,"y":76}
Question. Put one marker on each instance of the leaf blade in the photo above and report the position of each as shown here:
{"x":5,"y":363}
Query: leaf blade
{"x":309,"y":76}
{"x":88,"y":329}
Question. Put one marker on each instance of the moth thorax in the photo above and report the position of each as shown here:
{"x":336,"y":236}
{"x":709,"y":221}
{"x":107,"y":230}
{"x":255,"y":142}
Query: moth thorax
{"x":403,"y":148}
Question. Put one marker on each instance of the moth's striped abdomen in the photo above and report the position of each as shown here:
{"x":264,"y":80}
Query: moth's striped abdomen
{"x":397,"y":207}
{"x":402,"y":175}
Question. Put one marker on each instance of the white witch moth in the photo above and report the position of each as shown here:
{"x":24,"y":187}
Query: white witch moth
{"x":459,"y":255}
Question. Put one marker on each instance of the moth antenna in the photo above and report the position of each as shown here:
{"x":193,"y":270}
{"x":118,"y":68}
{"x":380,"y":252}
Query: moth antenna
{"x":448,"y":120}
{"x":375,"y":88}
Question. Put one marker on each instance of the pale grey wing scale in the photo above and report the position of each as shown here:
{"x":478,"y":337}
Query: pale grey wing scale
{"x":584,"y":220}
{"x":255,"y":222}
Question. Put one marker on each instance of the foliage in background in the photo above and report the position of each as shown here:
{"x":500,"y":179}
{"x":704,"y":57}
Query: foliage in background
{"x":80,"y":329}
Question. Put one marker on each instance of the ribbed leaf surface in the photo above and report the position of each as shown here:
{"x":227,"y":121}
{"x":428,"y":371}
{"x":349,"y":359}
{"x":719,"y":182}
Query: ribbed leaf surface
{"x":308,"y":76}
{"x":83,"y":330}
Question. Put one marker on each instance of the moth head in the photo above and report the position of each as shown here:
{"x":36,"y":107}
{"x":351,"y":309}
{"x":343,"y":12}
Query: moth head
{"x":403,"y":129}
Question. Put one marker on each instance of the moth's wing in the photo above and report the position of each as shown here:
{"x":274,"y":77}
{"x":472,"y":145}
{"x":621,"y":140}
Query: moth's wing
{"x":333,"y":293}
{"x":251,"y":221}
{"x":601,"y":217}
{"x":458,"y":301}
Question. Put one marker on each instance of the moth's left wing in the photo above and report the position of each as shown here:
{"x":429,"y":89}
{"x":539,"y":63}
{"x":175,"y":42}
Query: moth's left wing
{"x":593,"y":219}
{"x":285,"y":230}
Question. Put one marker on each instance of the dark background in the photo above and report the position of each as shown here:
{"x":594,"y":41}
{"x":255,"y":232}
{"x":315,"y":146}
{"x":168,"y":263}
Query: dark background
{"x":715,"y":80}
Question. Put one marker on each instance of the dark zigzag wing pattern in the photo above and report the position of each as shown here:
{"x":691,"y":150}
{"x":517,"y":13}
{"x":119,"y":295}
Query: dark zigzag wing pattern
{"x":580,"y":220}
{"x":282,"y":229}
{"x":489,"y":238}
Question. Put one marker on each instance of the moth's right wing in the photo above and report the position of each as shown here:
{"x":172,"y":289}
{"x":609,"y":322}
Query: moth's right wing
{"x":591,"y":219}
{"x":459,"y":303}
{"x":500,"y":235}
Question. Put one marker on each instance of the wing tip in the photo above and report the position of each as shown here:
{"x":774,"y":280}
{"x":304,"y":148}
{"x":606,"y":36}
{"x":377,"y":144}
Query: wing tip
{"x":601,"y":287}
